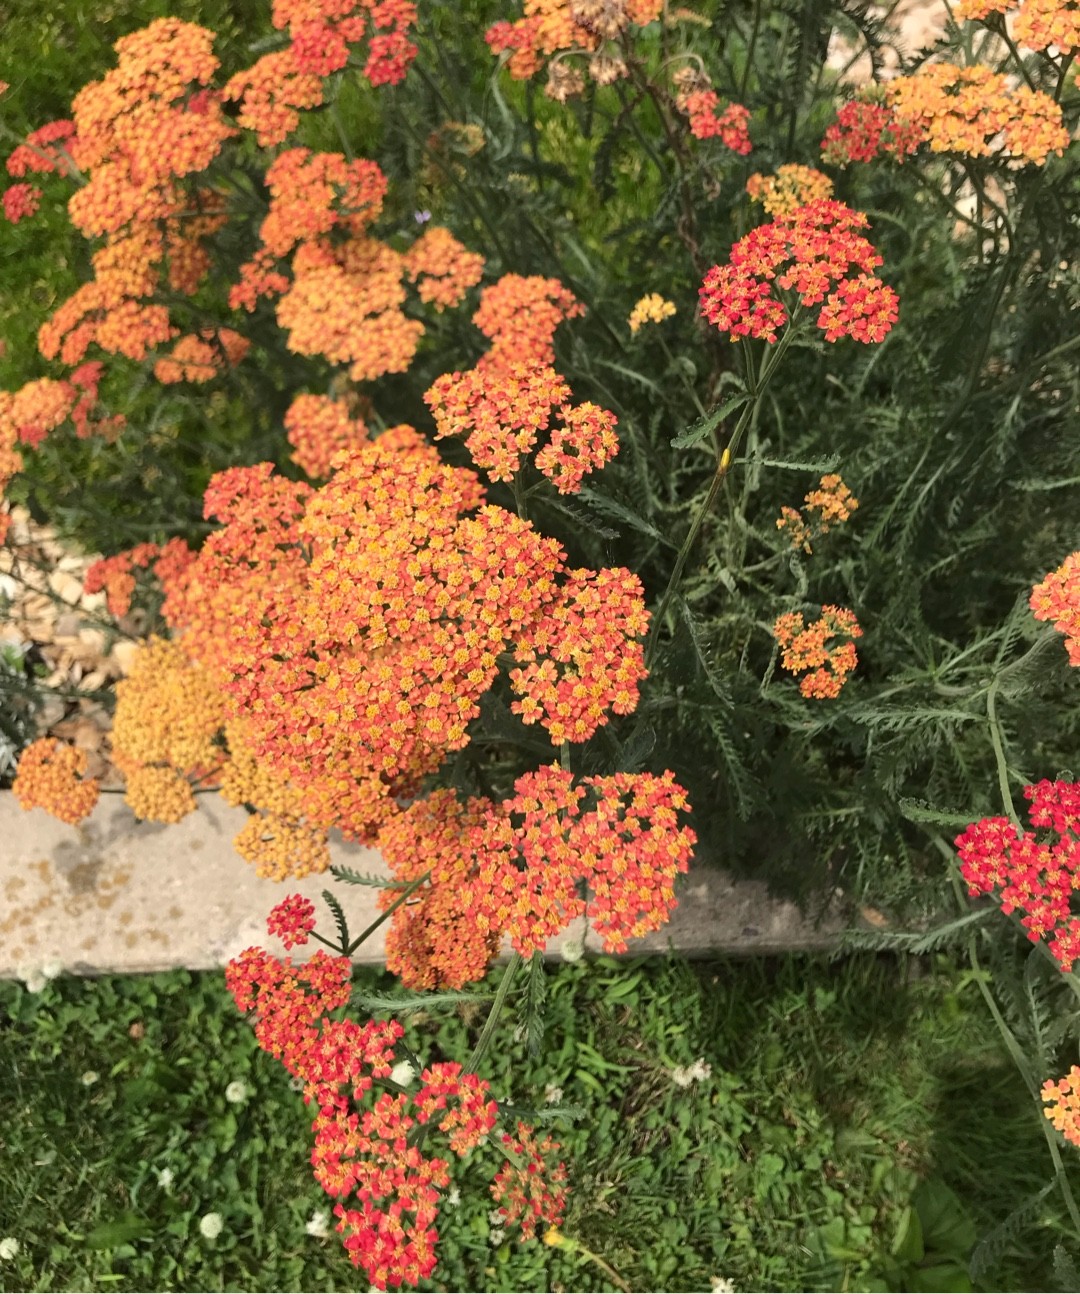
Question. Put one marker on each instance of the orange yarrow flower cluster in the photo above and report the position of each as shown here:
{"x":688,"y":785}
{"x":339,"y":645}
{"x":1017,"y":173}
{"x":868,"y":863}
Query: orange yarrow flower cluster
{"x":1029,"y":875}
{"x":791,"y":187}
{"x":518,"y":868}
{"x":809,"y":647}
{"x":442,"y":268}
{"x":811,"y":253}
{"x":519,"y":315}
{"x":357,"y":627}
{"x":51,"y":776}
{"x":1057,"y":599}
{"x":115,"y":576}
{"x":280,"y":85}
{"x":827,"y":506}
{"x":1062,"y":1102}
{"x":318,"y":428}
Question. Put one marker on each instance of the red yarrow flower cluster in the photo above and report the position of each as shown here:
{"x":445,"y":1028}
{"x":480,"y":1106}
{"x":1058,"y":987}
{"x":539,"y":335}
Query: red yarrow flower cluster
{"x":730,"y":126}
{"x":810,"y":253}
{"x":1029,"y":875}
{"x":292,"y":920}
{"x":865,"y":129}
{"x":810,"y":647}
{"x":388,"y":1189}
{"x":1057,"y":599}
{"x":21,"y":201}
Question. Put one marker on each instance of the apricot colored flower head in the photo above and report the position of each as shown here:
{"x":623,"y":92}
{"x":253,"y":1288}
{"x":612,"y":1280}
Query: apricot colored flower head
{"x":978,"y":112}
{"x":1062,"y":1102}
{"x":520,"y":315}
{"x":791,"y":187}
{"x":827,"y":506}
{"x":1057,"y":599}
{"x":271,"y":94}
{"x":810,"y":648}
{"x":51,"y":776}
{"x":1042,"y":23}
{"x":812,"y":252}
{"x":1029,"y":875}
{"x":38,"y":407}
{"x":318,"y":428}
{"x":652,"y":308}
{"x":442,"y":268}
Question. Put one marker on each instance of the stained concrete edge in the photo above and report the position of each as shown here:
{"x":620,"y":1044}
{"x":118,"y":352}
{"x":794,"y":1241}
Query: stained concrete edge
{"x":116,"y":895}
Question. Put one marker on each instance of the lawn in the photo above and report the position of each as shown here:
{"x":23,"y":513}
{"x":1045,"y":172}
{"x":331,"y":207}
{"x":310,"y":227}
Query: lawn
{"x":859,"y":1127}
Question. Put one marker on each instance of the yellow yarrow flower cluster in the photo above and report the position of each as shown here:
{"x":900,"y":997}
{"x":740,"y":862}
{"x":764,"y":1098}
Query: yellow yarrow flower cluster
{"x":652,"y":308}
{"x":792,"y":186}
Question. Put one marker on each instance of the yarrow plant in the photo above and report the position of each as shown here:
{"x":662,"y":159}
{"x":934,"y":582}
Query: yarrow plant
{"x":461,"y":442}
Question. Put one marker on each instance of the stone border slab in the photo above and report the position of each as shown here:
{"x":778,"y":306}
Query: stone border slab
{"x":117,"y":895}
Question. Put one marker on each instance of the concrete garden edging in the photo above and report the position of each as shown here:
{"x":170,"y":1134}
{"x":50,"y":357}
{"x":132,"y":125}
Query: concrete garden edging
{"x":116,"y":895}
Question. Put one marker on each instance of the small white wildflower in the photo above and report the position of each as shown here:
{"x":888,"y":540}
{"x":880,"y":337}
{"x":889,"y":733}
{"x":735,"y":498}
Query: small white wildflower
{"x":553,"y":1094}
{"x":237,"y":1092}
{"x":53,"y":969}
{"x":210,"y":1225}
{"x":89,"y":1078}
{"x":697,"y":1072}
{"x":402,"y":1073}
{"x":495,"y":1217}
{"x":722,"y":1286}
{"x":318,"y":1225}
{"x":296,"y":1083}
{"x":32,"y":977}
{"x":574,"y":949}
{"x":496,"y":1236}
{"x":9,"y":1249}
{"x":453,"y":1198}
{"x":165,"y":1178}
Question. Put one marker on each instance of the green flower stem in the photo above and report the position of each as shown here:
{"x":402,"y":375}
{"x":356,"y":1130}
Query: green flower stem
{"x":403,"y":897}
{"x":723,"y":466}
{"x":999,"y":753}
{"x":488,"y":1031}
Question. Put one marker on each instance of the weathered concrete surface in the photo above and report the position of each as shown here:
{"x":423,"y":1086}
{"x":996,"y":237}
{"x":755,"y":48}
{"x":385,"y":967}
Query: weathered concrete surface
{"x":116,"y":895}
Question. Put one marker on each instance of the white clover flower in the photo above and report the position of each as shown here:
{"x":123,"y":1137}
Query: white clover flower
{"x":32,"y":977}
{"x":402,"y":1073}
{"x":211,"y":1225}
{"x":237,"y":1092}
{"x":165,"y":1178}
{"x":89,"y":1078}
{"x":453,"y":1198}
{"x":318,"y":1225}
{"x":9,"y":1249}
{"x":574,"y":949}
{"x":553,"y":1094}
{"x":697,"y":1072}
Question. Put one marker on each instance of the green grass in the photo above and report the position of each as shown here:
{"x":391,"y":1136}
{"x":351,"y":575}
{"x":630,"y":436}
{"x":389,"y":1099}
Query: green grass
{"x":835,"y":1091}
